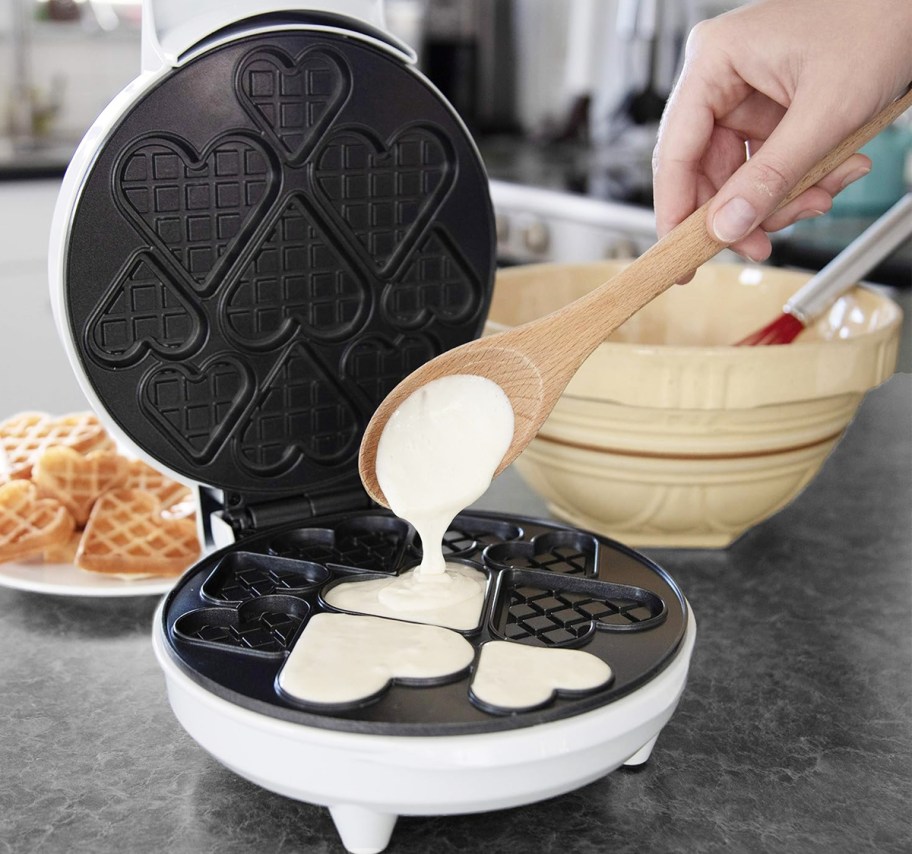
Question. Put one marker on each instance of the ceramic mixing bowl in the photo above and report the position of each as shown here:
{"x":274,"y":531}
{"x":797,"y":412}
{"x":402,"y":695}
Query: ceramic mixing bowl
{"x":670,"y":436}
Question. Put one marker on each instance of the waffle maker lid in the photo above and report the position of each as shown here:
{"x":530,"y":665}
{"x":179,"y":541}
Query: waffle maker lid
{"x":261,"y":244}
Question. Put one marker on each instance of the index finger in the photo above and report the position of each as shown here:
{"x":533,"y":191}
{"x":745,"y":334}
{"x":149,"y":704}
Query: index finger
{"x":684,"y":136}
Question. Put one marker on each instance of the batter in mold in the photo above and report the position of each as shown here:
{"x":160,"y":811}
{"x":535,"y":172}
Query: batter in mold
{"x":437,"y":454}
{"x":512,"y":676}
{"x":346,"y":658}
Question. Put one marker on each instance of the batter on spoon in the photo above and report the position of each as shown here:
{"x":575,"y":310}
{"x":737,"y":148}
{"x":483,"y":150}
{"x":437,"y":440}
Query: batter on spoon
{"x":437,"y":454}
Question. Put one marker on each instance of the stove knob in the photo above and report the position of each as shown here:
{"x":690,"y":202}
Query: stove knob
{"x":502,"y":227}
{"x":536,"y":236}
{"x":621,"y":249}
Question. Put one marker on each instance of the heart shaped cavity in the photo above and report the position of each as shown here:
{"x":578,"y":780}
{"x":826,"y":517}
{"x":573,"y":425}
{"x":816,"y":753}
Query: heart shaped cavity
{"x":377,"y":364}
{"x":567,"y":552}
{"x":374,"y":543}
{"x":468,"y":535}
{"x":511,"y":677}
{"x":344,"y":660}
{"x":384,"y":193}
{"x":454,"y":599}
{"x":301,"y":412}
{"x":435,"y":284}
{"x":293,"y":99}
{"x":197,"y":407}
{"x":199,"y":208}
{"x":266,"y":626}
{"x":295,"y":283}
{"x":548,"y":609}
{"x":243,"y":576}
{"x":143,"y":311}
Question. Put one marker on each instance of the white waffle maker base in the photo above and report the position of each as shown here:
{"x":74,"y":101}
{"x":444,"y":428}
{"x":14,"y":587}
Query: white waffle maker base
{"x":368,"y":781}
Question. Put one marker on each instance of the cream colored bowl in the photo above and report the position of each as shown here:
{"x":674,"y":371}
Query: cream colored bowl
{"x":670,"y":436}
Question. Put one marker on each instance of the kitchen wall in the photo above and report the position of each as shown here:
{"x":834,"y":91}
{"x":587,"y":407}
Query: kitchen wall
{"x":57,"y":75}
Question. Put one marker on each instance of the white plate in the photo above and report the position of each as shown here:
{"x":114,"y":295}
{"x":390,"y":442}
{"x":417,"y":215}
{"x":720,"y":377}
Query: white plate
{"x":65,"y":579}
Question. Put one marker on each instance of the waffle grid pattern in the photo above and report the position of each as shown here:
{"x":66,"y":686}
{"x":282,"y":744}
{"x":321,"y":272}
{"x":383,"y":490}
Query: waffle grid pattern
{"x":144,"y":308}
{"x":553,"y":617}
{"x":298,"y":221}
{"x":382,"y":192}
{"x":295,"y":276}
{"x":293,"y":98}
{"x":196,"y":209}
{"x":301,"y":401}
{"x":284,"y":573}
{"x":268,"y":632}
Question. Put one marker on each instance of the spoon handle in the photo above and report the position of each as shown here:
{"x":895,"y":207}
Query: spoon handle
{"x":690,"y":244}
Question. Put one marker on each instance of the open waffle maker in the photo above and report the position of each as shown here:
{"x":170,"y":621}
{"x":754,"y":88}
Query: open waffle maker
{"x":277,"y":221}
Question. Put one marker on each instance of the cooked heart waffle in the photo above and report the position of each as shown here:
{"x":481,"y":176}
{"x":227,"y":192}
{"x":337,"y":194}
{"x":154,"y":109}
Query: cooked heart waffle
{"x":76,"y":480}
{"x":28,"y":523}
{"x":26,"y":436}
{"x":168,"y":492}
{"x":64,"y":552}
{"x":127,"y":535}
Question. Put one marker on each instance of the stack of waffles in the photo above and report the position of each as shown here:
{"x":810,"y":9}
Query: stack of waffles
{"x":68,"y":496}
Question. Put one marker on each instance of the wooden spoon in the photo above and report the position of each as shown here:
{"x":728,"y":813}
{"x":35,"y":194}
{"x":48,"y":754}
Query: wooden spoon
{"x":534,"y":362}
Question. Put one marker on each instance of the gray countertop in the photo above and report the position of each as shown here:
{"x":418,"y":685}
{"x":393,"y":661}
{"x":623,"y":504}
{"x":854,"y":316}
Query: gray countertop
{"x":794,"y":733}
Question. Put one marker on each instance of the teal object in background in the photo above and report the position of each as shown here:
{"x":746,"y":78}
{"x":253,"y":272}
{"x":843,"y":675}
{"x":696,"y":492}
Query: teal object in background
{"x":886,"y":183}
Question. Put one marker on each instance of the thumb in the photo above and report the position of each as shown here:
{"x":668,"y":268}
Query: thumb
{"x":758,"y":187}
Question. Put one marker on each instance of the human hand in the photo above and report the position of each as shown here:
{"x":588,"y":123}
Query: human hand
{"x":785,"y":80}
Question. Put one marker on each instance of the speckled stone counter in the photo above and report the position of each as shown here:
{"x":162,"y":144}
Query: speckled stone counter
{"x":794,"y":733}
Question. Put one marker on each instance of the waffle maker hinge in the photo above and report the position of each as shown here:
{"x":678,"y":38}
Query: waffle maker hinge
{"x":247,"y":515}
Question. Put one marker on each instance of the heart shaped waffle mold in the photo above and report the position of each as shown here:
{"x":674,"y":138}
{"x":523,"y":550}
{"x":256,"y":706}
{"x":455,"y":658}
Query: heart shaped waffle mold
{"x":197,"y":407}
{"x":197,"y":208}
{"x":145,"y":311}
{"x":296,"y":283}
{"x":623,"y":609}
{"x":383,"y":193}
{"x":241,"y":577}
{"x":566,"y":552}
{"x":242,"y":298}
{"x":566,"y":611}
{"x":436,"y":283}
{"x":293,"y":99}
{"x":267,"y":625}
{"x":302,"y":411}
{"x":371,"y":543}
{"x":376,"y":364}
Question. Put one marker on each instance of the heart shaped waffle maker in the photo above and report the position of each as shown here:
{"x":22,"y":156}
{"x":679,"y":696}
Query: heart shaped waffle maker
{"x":277,"y":257}
{"x":547,"y":586}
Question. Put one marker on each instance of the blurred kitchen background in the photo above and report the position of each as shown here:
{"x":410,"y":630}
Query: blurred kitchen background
{"x":563,"y":96}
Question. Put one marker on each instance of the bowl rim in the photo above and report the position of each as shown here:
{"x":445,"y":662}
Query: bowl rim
{"x":891,"y":323}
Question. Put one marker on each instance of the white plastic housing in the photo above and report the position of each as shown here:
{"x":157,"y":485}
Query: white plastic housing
{"x":367,"y":781}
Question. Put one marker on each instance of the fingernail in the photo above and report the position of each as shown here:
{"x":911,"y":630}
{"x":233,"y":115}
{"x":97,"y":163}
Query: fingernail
{"x":854,"y":176}
{"x":808,"y":215}
{"x":733,"y":220}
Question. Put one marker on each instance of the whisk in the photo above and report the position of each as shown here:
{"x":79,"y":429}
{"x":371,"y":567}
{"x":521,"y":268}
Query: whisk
{"x":858,"y":258}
